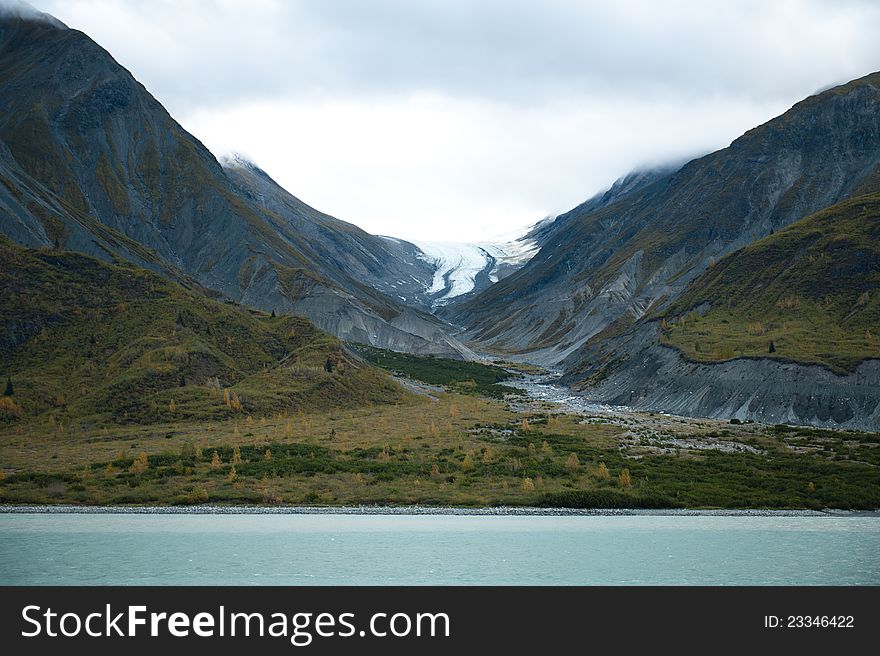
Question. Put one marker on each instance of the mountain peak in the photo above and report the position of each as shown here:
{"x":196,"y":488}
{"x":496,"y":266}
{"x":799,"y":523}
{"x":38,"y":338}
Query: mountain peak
{"x":97,"y":165}
{"x":18,"y":10}
{"x":238,"y":161}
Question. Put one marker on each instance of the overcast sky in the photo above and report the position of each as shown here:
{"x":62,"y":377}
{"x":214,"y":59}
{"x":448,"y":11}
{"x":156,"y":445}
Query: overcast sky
{"x":460,"y":120}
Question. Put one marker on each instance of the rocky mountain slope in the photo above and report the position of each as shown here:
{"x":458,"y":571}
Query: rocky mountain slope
{"x":393,"y":267}
{"x":91,"y":162}
{"x":784,"y":330}
{"x":605,"y":265}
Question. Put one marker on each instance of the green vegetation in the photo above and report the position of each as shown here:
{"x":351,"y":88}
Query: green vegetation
{"x":456,"y":450}
{"x":809,"y":293}
{"x":466,"y":377}
{"x":91,"y":343}
{"x":125,"y":388}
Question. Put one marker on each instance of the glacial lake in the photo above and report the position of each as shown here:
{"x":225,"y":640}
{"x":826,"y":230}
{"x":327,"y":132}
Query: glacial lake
{"x":352,"y":549}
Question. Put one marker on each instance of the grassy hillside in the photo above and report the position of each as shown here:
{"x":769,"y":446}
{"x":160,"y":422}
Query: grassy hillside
{"x":87,"y":342}
{"x":809,"y":293}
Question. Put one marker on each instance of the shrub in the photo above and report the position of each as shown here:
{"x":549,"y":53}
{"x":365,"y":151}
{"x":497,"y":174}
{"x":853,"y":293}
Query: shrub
{"x":788,"y":303}
{"x":723,"y":353}
{"x":198,"y":495}
{"x":140,"y":464}
{"x":56,"y":489}
{"x":756,"y":329}
{"x":9,"y":409}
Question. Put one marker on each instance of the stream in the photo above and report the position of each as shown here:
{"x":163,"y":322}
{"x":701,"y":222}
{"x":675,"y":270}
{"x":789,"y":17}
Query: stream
{"x":543,"y":388}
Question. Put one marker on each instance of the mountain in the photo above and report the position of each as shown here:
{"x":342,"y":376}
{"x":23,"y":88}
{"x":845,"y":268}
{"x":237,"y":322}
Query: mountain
{"x":811,"y":289}
{"x":391,"y":266}
{"x":604,"y":266}
{"x":630,"y":183}
{"x":91,"y":162}
{"x":88,"y":341}
{"x":784,"y":330}
{"x":464,"y":270}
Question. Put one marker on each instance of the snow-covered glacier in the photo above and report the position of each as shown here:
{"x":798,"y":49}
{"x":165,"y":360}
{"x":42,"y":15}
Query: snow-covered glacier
{"x":461,"y":268}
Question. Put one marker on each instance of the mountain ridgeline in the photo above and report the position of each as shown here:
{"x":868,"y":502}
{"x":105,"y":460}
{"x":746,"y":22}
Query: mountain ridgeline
{"x":743,"y":284}
{"x":91,"y":162}
{"x":605,"y":267}
{"x":615,"y":298}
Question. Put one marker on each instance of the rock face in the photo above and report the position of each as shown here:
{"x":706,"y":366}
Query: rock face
{"x":90,"y":161}
{"x":658,"y":378}
{"x":391,"y":266}
{"x":810,"y":291}
{"x":589,"y":301}
{"x":604,"y":264}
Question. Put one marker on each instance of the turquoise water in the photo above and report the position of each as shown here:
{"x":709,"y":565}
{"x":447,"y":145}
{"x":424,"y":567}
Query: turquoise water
{"x":436,"y":550}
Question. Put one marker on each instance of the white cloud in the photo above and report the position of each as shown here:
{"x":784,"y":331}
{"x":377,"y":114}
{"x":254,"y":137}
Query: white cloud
{"x":456,"y":119}
{"x":434,"y":167}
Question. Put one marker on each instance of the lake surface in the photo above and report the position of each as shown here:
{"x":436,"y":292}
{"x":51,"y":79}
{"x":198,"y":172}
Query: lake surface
{"x":255,"y":549}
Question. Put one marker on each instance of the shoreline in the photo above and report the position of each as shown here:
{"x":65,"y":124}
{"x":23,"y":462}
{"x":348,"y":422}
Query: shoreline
{"x":501,"y":511}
